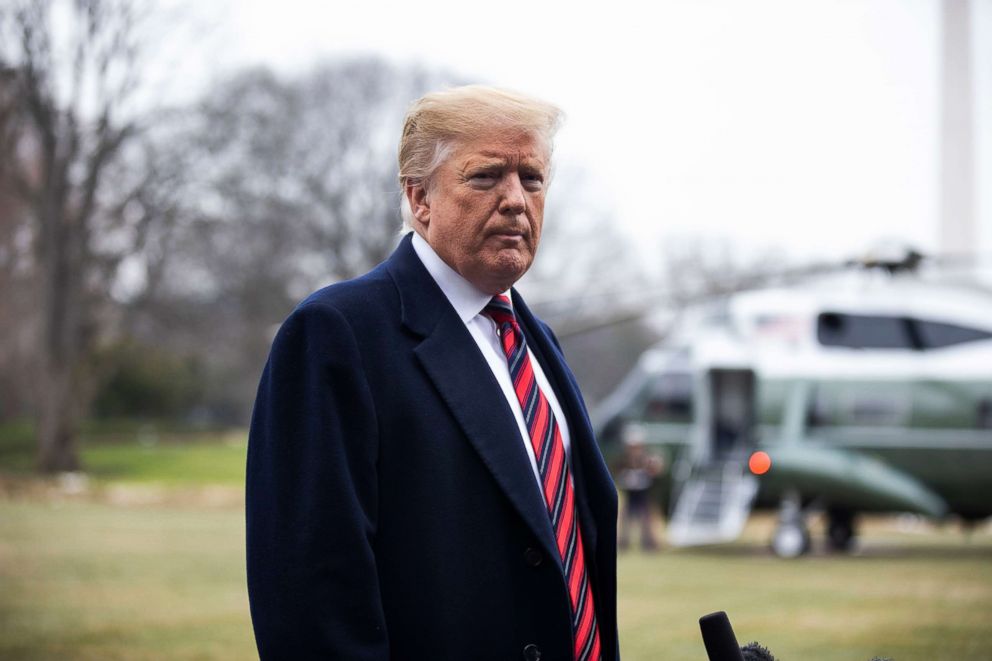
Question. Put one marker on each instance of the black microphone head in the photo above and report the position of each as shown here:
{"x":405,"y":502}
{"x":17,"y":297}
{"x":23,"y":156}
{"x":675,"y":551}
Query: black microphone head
{"x":718,"y":637}
{"x":755,"y":652}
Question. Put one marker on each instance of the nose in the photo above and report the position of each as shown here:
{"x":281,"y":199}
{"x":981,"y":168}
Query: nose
{"x":512,"y":199}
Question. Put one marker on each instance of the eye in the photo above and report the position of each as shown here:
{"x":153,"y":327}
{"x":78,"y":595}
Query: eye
{"x":483,"y":178}
{"x":532,"y":181}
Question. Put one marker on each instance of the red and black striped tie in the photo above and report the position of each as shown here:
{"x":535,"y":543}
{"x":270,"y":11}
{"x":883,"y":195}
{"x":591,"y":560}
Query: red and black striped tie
{"x":556,"y":480}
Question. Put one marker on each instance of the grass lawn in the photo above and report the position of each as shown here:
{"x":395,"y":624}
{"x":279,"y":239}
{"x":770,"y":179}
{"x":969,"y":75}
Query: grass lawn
{"x":170,"y":462}
{"x":146,"y":561}
{"x":82,"y":580}
{"x":140,"y":454}
{"x":920,"y":595}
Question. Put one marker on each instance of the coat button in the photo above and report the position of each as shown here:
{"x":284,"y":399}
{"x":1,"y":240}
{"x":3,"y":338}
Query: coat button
{"x":532,"y":653}
{"x":533,"y":557}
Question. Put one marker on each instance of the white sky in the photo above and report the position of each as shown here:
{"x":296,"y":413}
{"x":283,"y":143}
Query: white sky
{"x":809,"y":126}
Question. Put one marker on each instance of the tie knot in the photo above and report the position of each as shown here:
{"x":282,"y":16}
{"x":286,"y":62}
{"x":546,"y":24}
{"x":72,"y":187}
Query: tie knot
{"x":500,"y":311}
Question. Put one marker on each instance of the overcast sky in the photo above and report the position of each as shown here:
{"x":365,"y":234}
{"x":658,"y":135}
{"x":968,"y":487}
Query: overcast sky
{"x":810,"y":126}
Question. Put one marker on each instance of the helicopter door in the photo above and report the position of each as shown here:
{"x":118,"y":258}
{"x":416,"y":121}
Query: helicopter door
{"x":715,"y":496}
{"x":732,"y":413}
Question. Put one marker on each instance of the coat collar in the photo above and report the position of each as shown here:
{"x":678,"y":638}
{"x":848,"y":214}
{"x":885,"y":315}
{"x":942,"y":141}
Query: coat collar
{"x":462,"y":377}
{"x":465,"y":297}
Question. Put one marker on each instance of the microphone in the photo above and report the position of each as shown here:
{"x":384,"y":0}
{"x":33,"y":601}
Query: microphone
{"x":721,"y":643}
{"x":718,"y":637}
{"x":755,"y":652}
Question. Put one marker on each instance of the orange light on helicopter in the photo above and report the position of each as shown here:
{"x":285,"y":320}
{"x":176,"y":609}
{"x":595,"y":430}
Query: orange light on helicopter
{"x":759,"y":463}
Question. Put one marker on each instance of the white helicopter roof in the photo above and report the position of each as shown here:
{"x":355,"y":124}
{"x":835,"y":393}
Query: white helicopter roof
{"x":874,"y":293}
{"x":775,"y":331}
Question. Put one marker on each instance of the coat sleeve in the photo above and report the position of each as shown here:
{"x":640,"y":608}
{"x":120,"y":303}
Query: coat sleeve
{"x":311,"y":497}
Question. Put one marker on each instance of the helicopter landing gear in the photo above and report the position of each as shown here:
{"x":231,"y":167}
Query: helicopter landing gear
{"x":840,"y":530}
{"x":791,"y":538}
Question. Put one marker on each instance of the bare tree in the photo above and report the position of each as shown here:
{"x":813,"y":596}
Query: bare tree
{"x":698,"y":268}
{"x":288,"y":183}
{"x":18,"y":318}
{"x":306,"y":166}
{"x":73,"y":69}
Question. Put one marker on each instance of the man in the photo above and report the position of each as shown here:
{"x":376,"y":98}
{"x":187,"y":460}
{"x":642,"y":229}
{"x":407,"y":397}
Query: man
{"x":401,"y":501}
{"x":636,"y":474}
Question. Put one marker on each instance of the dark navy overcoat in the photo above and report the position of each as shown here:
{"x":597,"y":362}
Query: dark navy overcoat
{"x":392,"y":512}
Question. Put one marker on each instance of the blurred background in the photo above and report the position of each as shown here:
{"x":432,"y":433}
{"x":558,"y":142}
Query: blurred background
{"x":175,"y":176}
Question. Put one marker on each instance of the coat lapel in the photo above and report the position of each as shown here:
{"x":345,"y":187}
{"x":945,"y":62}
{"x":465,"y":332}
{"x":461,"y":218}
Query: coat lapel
{"x":592,"y":481}
{"x":464,"y":381}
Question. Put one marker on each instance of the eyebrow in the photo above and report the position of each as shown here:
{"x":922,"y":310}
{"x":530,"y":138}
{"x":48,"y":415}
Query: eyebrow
{"x":489,"y":162}
{"x":496,"y":159}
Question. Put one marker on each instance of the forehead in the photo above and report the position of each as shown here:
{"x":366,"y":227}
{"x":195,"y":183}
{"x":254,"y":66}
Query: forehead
{"x":502,"y":146}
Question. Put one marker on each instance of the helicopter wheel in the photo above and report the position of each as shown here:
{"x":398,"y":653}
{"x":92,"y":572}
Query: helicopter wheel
{"x":791,"y":538}
{"x":840,"y":530}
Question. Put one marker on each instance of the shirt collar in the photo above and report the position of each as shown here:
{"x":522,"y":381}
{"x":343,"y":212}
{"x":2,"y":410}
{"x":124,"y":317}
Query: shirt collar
{"x":465,"y":297}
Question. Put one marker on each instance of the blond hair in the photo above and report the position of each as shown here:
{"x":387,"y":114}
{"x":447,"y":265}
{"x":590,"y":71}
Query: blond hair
{"x":438,"y":120}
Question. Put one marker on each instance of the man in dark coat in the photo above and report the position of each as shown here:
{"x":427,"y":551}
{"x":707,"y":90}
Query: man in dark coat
{"x":423,"y":481}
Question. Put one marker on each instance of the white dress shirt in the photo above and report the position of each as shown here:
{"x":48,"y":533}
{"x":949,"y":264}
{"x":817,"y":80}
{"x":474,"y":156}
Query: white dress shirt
{"x":469,"y":302}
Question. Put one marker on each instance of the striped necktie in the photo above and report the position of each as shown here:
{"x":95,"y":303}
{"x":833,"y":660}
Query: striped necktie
{"x":556,"y":480}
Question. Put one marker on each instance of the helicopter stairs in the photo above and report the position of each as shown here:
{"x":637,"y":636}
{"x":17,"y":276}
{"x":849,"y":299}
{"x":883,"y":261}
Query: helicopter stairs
{"x":714,"y":503}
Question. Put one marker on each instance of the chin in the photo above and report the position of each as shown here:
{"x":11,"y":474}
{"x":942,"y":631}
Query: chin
{"x":495,"y":281}
{"x":510,"y":270}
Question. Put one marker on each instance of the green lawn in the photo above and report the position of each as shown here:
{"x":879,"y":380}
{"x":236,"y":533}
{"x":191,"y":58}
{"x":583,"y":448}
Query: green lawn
{"x":148,"y":563}
{"x":919,"y":596}
{"x":140,"y":454}
{"x":171,"y":462}
{"x":83,"y":580}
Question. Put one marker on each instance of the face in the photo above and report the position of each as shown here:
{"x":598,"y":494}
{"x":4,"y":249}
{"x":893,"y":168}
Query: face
{"x":483,"y":209}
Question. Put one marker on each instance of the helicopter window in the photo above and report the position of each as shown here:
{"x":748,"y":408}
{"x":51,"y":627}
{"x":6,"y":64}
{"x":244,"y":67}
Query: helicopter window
{"x":857,"y":331}
{"x":669,"y":399}
{"x":935,"y":334}
{"x":984,"y":418}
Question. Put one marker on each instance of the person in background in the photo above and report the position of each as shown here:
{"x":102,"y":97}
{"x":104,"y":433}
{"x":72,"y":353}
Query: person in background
{"x":635,"y":476}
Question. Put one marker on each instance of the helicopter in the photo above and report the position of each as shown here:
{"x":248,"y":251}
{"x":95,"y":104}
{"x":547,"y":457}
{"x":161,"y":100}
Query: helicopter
{"x":855,"y":390}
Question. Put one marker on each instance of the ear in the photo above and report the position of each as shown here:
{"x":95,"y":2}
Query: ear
{"x":420,"y":205}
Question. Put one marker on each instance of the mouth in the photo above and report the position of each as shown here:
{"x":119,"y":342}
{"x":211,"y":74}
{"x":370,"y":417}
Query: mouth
{"x":508,"y":235}
{"x":507,"y":241}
